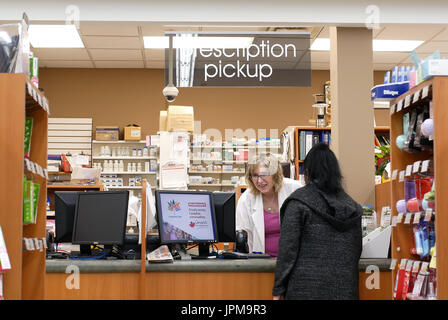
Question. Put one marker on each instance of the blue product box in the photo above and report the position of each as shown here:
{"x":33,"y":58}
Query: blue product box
{"x":389,"y":91}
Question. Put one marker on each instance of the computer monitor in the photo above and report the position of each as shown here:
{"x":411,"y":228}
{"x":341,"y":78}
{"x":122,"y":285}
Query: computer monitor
{"x":100,"y":218}
{"x":65,"y":205}
{"x":186,"y":217}
{"x":225,"y":215}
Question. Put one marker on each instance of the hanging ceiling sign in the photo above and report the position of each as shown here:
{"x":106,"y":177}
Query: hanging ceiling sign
{"x":267,"y":59}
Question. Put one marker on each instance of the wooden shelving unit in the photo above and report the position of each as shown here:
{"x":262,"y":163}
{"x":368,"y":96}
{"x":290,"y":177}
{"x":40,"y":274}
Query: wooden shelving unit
{"x":19,"y":98}
{"x":436,"y":90}
{"x":297,"y":130}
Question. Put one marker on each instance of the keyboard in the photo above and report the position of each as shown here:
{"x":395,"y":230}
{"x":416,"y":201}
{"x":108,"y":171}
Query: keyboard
{"x":240,"y":255}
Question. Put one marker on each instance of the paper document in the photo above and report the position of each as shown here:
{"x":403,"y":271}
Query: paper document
{"x":85,"y":173}
{"x":173,"y":175}
{"x":161,"y":254}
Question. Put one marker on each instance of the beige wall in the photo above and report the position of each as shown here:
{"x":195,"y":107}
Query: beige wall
{"x":126,"y":96}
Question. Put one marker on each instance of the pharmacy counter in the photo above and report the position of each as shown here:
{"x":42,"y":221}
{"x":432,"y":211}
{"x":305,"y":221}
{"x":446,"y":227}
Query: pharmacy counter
{"x":193,"y":279}
{"x":209,"y":265}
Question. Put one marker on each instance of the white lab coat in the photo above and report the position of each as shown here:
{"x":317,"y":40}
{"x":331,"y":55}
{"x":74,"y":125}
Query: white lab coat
{"x":250,"y":214}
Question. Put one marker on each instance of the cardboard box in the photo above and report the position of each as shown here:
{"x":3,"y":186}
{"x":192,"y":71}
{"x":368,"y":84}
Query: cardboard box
{"x":162,"y":120}
{"x":107,"y":133}
{"x":132,"y":133}
{"x":180,"y":118}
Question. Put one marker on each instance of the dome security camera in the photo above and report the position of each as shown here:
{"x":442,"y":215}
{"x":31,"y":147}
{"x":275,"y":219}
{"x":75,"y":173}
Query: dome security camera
{"x":170,"y":92}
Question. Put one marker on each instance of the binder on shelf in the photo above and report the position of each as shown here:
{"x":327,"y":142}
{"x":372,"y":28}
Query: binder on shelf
{"x":308,"y":142}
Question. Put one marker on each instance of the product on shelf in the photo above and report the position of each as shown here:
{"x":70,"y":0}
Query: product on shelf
{"x":28,"y":134}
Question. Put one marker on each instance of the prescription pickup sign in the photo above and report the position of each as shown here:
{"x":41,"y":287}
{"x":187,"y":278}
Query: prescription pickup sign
{"x":265,"y":59}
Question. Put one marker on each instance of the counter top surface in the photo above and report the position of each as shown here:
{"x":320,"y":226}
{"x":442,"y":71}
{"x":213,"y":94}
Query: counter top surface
{"x":208,"y":265}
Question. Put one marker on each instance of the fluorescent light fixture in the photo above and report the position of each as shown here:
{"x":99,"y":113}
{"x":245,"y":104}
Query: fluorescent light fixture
{"x":323,"y":44}
{"x":54,"y":36}
{"x":395,"y":45}
{"x":197,"y":42}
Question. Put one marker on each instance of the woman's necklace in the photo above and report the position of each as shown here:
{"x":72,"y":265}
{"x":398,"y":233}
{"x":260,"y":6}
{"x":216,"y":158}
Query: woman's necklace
{"x":271,"y":205}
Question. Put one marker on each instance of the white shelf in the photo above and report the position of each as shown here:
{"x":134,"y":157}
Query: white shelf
{"x":126,"y":172}
{"x":128,"y":188}
{"x":122,"y":158}
{"x":206,"y":147}
{"x":218,"y":172}
{"x":234,"y":162}
{"x":120,"y":141}
{"x":211,"y":185}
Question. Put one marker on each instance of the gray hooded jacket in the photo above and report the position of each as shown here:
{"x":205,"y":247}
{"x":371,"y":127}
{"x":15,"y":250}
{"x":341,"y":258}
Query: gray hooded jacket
{"x":320,"y":246}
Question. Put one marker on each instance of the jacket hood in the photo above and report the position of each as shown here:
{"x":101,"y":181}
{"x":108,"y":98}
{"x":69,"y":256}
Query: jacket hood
{"x":339,"y":210}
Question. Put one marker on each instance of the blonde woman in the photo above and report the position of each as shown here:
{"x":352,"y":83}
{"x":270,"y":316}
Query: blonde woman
{"x":258,"y":208}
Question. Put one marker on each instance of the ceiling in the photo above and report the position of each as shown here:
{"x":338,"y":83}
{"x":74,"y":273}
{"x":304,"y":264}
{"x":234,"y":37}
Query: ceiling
{"x":120,"y":45}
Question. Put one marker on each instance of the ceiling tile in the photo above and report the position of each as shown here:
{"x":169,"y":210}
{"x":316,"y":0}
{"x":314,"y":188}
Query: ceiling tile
{"x":119,"y":64}
{"x":432,"y":46}
{"x":105,"y":29}
{"x":65,"y":64}
{"x":99,"y":42}
{"x":389,"y":57}
{"x":115,"y":54}
{"x":61,"y":54}
{"x":154,"y":54}
{"x":442,"y":36}
{"x":408,"y":33}
{"x":154,"y":30}
{"x":325,"y":32}
{"x":320,"y":56}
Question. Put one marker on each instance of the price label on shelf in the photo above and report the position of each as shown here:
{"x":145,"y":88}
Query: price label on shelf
{"x":416,"y":96}
{"x":407,"y":101}
{"x":400,"y":105}
{"x":417,"y":217}
{"x":39,"y":100}
{"x":425,"y":165}
{"x":408,"y":218}
{"x":408,"y":170}
{"x":401,"y":176}
{"x":416,"y":166}
{"x":393,"y":264}
{"x":394,"y":221}
{"x":30,"y":89}
{"x":392,"y":108}
{"x":425,"y":92}
{"x":394,"y":174}
{"x":428,"y":214}
{"x":400,"y":217}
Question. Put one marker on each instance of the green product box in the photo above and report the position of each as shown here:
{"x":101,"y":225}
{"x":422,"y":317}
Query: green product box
{"x":28,"y":133}
{"x":28,"y":210}
{"x":36,"y":190}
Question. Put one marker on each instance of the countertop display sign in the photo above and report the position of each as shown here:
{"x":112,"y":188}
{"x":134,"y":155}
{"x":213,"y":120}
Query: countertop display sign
{"x":265,"y":59}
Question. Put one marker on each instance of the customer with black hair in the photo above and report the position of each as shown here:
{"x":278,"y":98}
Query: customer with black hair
{"x":320,"y":240}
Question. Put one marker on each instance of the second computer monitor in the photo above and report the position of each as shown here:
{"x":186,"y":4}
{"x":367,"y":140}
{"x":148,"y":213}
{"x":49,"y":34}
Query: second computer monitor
{"x":186,"y":217}
{"x":100,"y":218}
{"x":65,"y":205}
{"x":225,"y":215}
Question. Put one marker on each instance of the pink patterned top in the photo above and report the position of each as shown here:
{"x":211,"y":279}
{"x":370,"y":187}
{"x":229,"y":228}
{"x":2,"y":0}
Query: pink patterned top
{"x":271,"y":232}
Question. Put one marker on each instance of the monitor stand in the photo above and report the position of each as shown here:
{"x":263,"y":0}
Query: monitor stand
{"x":204,"y":250}
{"x":181,"y":249}
{"x":85,"y":251}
